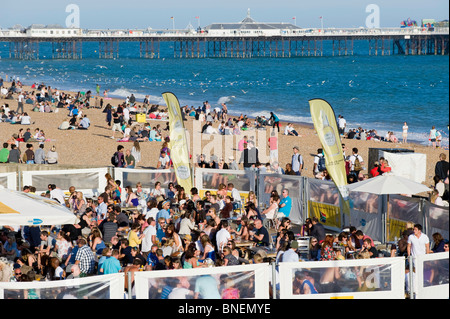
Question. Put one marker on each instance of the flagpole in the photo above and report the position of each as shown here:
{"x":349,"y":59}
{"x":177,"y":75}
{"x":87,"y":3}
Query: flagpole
{"x":173,"y":23}
{"x":295,"y":21}
{"x":321,"y":23}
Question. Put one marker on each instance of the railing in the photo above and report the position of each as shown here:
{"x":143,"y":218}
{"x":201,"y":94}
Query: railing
{"x":128,"y":33}
{"x":382,"y":278}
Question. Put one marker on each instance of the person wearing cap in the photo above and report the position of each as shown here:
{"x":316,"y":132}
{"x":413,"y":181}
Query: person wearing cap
{"x":232,"y":164}
{"x":165,"y":211}
{"x":297,"y":161}
{"x":291,"y":255}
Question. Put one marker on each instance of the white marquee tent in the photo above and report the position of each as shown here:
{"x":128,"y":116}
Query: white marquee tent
{"x":19,"y":208}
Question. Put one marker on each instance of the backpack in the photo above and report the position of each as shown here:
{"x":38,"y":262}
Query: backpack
{"x":321,"y":165}
{"x":115,"y":159}
{"x":357,"y":166}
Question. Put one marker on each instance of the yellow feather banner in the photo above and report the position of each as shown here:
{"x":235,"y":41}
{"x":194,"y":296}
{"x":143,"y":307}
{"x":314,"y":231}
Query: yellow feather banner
{"x":325,"y":124}
{"x":179,"y":150}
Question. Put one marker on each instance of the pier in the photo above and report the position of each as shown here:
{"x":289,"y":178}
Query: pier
{"x":246,"y":39}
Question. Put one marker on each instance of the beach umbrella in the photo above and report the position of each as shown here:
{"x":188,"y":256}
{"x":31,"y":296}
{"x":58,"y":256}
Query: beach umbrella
{"x":388,"y":184}
{"x":19,"y":208}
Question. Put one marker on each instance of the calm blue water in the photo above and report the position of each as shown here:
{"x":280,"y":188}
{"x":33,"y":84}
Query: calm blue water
{"x":378,"y":92}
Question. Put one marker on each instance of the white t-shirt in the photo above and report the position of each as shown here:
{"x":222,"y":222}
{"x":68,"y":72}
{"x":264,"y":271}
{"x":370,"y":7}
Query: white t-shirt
{"x":236,"y":195}
{"x":126,"y":113}
{"x":342,"y":123}
{"x":164,"y":160}
{"x":152,"y":213}
{"x":222,"y":238}
{"x":179,"y":293}
{"x":418,"y":244}
{"x":147,"y":240}
{"x":58,"y":194}
{"x":353,"y":159}
{"x":25,"y":120}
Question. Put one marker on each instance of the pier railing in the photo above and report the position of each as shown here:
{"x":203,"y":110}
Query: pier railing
{"x":232,"y":33}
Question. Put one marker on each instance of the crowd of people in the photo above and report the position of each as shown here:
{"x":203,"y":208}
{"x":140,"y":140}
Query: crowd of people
{"x":128,"y":229}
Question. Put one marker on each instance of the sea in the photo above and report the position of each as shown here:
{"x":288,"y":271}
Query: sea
{"x":371,"y":91}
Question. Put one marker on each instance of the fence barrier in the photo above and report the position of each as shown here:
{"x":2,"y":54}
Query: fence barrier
{"x":383,"y":278}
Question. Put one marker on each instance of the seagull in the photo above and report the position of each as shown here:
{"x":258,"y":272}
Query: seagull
{"x":195,"y":74}
{"x":245,"y":92}
{"x":353,"y":99}
{"x":101,"y":66}
{"x":191,"y":93}
{"x":204,"y":90}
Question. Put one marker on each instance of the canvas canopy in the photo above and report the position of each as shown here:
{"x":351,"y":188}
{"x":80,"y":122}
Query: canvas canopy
{"x":19,"y":208}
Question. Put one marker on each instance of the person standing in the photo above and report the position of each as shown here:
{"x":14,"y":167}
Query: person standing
{"x":441,"y":168}
{"x":418,"y":242}
{"x":342,"y":125}
{"x":276,"y":121}
{"x":20,"y":103}
{"x":316,"y":230}
{"x":297,"y":161}
{"x":273,"y":147}
{"x":432,"y":136}
{"x":356,"y":162}
{"x":405,"y":133}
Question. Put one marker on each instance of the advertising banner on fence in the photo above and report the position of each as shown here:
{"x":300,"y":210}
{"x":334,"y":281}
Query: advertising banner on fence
{"x":179,"y":147}
{"x":325,"y":124}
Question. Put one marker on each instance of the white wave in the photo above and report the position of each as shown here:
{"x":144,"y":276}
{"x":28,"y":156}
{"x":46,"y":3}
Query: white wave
{"x":225,"y":99}
{"x":284,"y":118}
{"x":124,"y":93}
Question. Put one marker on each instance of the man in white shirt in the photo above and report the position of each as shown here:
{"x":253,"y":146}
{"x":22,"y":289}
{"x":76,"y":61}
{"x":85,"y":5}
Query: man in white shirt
{"x":342,"y":124}
{"x":57,"y":194}
{"x":102,"y":208}
{"x":354,"y":168}
{"x":20,"y":102}
{"x":418,"y":243}
{"x":150,"y":236}
{"x":84,"y":123}
{"x":234,"y":194}
{"x":291,"y":254}
{"x":126,"y":114}
{"x":223,"y":235}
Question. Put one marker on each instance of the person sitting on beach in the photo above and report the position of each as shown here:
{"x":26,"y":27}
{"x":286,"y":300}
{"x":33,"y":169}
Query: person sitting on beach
{"x":84,"y":123}
{"x":291,"y":130}
{"x":164,"y":161}
{"x":25,"y":119}
{"x":65,"y":125}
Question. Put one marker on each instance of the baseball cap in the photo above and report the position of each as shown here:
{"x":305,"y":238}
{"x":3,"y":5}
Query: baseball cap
{"x":294,"y":244}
